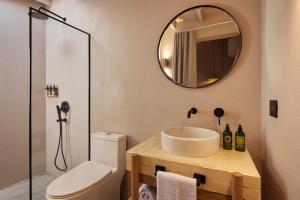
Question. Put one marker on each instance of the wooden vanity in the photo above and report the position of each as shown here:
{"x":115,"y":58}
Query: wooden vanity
{"x":228,"y":174}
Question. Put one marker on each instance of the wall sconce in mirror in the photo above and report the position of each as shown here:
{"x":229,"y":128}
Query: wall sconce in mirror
{"x":199,"y":46}
{"x":165,"y":62}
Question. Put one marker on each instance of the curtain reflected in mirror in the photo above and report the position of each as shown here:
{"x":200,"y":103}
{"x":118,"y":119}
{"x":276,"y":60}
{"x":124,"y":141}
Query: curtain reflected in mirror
{"x":199,"y":47}
{"x":184,"y":65}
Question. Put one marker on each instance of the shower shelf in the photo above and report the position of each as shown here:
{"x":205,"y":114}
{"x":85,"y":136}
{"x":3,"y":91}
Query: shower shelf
{"x":51,"y":90}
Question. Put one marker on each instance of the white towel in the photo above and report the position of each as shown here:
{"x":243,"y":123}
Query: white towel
{"x":172,"y":186}
{"x":147,"y":192}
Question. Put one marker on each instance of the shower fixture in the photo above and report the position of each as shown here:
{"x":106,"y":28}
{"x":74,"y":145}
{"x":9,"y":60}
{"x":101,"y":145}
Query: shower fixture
{"x":63,"y":113}
{"x":65,"y":107}
{"x":43,"y":16}
{"x":39,"y":15}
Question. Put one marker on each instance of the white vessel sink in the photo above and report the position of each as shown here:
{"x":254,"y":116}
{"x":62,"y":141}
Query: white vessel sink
{"x":190,"y":141}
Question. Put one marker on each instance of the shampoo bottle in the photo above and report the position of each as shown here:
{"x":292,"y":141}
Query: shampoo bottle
{"x":240,"y":139}
{"x":50,"y":91}
{"x":55,"y":91}
{"x":227,"y":138}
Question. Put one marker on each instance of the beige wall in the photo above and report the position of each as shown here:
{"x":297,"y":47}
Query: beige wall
{"x":14,"y":87}
{"x":45,"y":2}
{"x":131,"y":95}
{"x":280,"y":80}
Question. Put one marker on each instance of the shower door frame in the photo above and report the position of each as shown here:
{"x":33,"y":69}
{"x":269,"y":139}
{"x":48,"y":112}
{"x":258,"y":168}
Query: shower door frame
{"x":30,"y":89}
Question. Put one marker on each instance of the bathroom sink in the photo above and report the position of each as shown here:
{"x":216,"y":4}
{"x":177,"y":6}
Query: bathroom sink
{"x":190,"y":141}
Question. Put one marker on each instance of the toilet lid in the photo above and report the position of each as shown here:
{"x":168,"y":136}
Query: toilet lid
{"x":80,"y":178}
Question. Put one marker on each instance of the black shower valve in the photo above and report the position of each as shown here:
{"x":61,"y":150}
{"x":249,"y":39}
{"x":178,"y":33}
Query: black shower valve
{"x":65,"y":106}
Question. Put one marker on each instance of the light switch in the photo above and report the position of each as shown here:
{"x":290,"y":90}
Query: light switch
{"x":274,"y":108}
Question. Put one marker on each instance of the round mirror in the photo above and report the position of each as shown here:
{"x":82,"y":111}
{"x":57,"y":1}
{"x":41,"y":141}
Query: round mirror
{"x":199,"y":46}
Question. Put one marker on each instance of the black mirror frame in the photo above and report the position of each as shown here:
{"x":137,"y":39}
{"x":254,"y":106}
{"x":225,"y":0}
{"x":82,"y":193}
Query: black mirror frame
{"x":236,"y":58}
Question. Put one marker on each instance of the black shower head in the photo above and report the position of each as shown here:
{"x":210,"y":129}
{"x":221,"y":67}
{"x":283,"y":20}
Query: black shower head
{"x":39,"y":15}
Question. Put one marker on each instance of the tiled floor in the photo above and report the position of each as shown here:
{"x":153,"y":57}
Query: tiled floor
{"x":20,"y":190}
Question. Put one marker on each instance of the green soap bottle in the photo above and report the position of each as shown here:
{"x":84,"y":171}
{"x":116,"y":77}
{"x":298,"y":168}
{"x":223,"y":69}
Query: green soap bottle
{"x":240,"y":139}
{"x":227,"y":138}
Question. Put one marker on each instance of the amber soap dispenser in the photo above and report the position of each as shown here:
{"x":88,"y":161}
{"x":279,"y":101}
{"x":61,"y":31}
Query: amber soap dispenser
{"x":227,"y":138}
{"x":240,"y":139}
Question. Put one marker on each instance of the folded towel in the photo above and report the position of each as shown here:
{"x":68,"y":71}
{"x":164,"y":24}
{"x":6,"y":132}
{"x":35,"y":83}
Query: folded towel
{"x":147,"y":192}
{"x":172,"y":186}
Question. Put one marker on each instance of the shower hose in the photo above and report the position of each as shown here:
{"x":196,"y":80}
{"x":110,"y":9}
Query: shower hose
{"x":60,"y":142}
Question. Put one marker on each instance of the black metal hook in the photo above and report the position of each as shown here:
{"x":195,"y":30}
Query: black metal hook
{"x":200,"y":178}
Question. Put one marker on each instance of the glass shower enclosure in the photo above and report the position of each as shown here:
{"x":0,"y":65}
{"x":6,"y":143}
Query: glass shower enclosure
{"x":59,"y":112}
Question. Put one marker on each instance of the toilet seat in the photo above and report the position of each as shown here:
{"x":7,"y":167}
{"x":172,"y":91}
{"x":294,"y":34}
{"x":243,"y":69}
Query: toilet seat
{"x":78,"y":180}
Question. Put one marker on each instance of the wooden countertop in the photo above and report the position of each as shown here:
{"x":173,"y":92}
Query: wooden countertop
{"x":224,"y":160}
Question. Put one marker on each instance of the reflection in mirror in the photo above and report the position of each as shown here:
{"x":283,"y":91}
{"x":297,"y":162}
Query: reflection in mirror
{"x":199,"y":46}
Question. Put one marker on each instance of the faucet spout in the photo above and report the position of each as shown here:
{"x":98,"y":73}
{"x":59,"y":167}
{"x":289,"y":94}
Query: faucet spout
{"x":191,"y":111}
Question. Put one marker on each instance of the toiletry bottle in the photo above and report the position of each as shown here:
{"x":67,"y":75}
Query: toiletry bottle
{"x":56,"y":91}
{"x":227,"y":138}
{"x":240,"y":139}
{"x":46,"y":91}
{"x":53,"y":91}
{"x":50,"y":91}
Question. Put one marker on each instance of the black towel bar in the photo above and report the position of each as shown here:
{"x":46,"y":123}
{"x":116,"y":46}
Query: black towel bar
{"x":159,"y":168}
{"x":201,"y":179}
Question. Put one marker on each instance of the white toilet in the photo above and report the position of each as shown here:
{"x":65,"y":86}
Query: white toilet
{"x":98,"y":179}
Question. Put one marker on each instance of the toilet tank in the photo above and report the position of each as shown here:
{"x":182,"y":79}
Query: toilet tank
{"x":109,"y":149}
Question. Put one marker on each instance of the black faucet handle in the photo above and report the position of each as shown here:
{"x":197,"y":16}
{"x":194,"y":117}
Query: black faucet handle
{"x":194,"y":110}
{"x":219,"y":112}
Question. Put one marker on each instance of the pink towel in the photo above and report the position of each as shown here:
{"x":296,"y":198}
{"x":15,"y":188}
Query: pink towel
{"x":172,"y":186}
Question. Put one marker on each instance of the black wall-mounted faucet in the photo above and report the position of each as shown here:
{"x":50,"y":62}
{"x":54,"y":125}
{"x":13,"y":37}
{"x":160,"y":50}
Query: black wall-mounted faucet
{"x":192,"y":111}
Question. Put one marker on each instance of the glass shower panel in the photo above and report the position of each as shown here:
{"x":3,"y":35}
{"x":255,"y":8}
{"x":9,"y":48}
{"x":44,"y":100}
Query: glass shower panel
{"x":38,"y":109}
{"x":60,"y":73}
